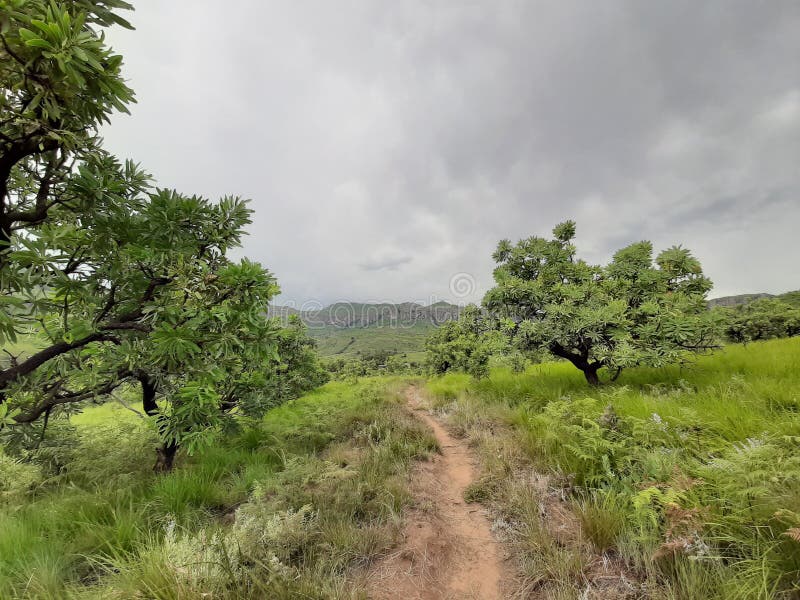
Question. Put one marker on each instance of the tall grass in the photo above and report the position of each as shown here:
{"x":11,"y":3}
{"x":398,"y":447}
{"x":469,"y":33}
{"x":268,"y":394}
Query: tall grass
{"x":690,"y":473}
{"x":271,"y":513}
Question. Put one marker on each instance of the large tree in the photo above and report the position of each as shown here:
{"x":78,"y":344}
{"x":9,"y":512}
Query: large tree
{"x":119,"y":284}
{"x":637,"y":310}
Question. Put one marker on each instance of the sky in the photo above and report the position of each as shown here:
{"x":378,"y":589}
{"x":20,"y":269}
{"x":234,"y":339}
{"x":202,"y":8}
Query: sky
{"x":387,"y":146}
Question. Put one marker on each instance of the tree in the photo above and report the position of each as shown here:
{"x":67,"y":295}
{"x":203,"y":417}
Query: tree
{"x":465,"y":344}
{"x":296,"y":370}
{"x":121,"y":284}
{"x":761,"y":319}
{"x":634,"y":311}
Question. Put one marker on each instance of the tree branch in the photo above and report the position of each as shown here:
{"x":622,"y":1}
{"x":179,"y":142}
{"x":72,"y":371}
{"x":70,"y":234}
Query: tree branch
{"x":69,"y":398}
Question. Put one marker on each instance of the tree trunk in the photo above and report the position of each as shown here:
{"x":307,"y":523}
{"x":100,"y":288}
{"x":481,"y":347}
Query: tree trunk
{"x":166,"y":458}
{"x":166,"y":453}
{"x":148,"y":394}
{"x":590,"y":372}
{"x":581,"y":361}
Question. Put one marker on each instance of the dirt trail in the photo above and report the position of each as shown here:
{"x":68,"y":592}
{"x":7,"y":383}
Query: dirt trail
{"x":448,"y":551}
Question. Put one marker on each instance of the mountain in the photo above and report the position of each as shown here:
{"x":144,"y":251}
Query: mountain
{"x":349,"y":315}
{"x":792,"y":298}
{"x":347,"y":329}
{"x":736,"y":300}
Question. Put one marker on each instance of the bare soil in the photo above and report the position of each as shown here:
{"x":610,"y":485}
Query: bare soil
{"x":448,"y":550}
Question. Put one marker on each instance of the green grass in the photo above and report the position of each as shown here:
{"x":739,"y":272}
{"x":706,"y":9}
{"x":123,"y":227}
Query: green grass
{"x":690,"y":475}
{"x":24,"y":346}
{"x":339,"y":342}
{"x":284,"y":510}
{"x":686,"y":477}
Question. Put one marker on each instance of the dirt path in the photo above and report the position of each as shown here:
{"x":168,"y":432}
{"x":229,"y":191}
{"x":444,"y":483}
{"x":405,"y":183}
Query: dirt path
{"x":448,"y":551}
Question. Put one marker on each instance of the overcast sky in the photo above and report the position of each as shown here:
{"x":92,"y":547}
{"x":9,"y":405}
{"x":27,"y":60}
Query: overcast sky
{"x":388,"y":145}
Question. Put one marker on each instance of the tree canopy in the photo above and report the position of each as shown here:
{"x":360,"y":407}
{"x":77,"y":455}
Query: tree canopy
{"x":119,"y":283}
{"x":761,"y":319}
{"x":465,"y":344}
{"x":637,"y":310}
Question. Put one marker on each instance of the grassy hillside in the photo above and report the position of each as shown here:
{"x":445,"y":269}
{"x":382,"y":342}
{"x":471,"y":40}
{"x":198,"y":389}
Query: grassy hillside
{"x":686,"y":479}
{"x":286,"y":509}
{"x":358,"y":314}
{"x":682,"y":482}
{"x":348,"y":343}
{"x":792,"y":298}
{"x":348,"y":329}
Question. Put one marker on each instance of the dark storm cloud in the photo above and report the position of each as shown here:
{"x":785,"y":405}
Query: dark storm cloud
{"x":378,"y":135}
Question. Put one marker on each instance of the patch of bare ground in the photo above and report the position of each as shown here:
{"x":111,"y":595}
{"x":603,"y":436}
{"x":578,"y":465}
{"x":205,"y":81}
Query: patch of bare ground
{"x":448,"y":550}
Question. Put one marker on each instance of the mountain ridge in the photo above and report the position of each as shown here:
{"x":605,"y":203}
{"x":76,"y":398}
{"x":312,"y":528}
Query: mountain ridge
{"x":792,"y":297}
{"x":347,"y":315}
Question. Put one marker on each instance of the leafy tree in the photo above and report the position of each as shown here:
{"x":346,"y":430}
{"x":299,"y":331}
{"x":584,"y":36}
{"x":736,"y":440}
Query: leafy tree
{"x":465,"y":344}
{"x":122,"y":285}
{"x":634,"y":311}
{"x":761,"y":319}
{"x":296,"y":371}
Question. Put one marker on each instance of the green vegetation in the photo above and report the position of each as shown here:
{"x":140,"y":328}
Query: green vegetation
{"x":375,"y":363}
{"x":762,"y":319}
{"x":128,"y":330}
{"x":635,"y":311}
{"x":122,"y":285}
{"x":354,"y":342}
{"x":288,"y":508}
{"x":466,"y":344}
{"x":357,"y":340}
{"x":688,"y":477}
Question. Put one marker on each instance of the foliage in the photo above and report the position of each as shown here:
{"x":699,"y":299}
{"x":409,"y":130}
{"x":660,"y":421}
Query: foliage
{"x":296,"y":371}
{"x":124,"y":285}
{"x":310,"y":492}
{"x":464,"y":345}
{"x":365,"y":364}
{"x":691,"y":475}
{"x":762,"y":319}
{"x":634,"y":311}
{"x":59,"y":82}
{"x":138,"y":288}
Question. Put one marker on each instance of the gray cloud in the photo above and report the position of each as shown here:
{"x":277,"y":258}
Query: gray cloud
{"x":385,"y":264}
{"x":366,"y":132}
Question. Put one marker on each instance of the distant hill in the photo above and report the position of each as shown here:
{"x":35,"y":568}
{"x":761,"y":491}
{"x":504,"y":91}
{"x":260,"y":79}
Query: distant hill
{"x":356,"y":314}
{"x":792,"y":298}
{"x":347,"y":329}
{"x":736,"y":300}
{"x":350,"y":329}
{"x":788,"y":297}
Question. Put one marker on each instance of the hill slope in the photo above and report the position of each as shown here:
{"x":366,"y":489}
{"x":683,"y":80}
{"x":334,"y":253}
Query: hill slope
{"x":788,"y":297}
{"x":347,"y":329}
